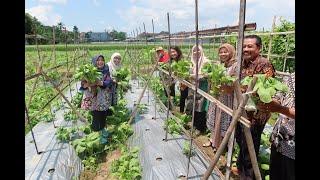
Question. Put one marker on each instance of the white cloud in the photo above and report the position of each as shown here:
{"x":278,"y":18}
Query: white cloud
{"x":44,"y":14}
{"x":96,"y":3}
{"x":54,"y":1}
{"x":211,"y":12}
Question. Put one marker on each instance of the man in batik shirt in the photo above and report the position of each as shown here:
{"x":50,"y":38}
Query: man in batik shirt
{"x":253,"y":63}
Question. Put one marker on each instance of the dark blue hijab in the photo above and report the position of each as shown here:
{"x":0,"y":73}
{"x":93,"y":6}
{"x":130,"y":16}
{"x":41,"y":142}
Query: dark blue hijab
{"x":105,"y":69}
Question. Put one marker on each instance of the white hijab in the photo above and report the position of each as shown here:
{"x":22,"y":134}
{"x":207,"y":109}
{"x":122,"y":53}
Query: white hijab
{"x":112,"y":66}
{"x":202,"y":60}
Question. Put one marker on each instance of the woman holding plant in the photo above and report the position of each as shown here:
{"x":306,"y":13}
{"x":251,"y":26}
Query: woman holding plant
{"x":282,"y":139}
{"x":97,"y":97}
{"x":176,"y":55}
{"x":201,"y":104}
{"x":217,"y":120}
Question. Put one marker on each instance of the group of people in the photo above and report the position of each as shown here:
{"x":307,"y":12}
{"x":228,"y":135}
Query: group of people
{"x":98,"y":102}
{"x":209,"y":115}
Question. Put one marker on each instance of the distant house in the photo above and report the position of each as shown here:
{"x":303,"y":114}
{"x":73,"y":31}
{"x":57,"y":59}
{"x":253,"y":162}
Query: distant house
{"x":99,"y":37}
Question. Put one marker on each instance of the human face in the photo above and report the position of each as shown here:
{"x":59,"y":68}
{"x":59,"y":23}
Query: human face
{"x":173,"y":53}
{"x":159,"y":53}
{"x":250,"y":49}
{"x":224,"y":55}
{"x":117,"y":60}
{"x":100,"y":62}
{"x":194,"y":53}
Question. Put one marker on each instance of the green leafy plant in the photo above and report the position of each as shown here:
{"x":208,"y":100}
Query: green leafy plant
{"x":142,"y":108}
{"x":217,"y":76}
{"x":265,"y":87}
{"x":88,"y":145}
{"x":90,"y":163}
{"x":121,"y":133}
{"x":184,"y":119}
{"x":181,"y":68}
{"x":88,"y":72}
{"x":63,"y":134}
{"x":127,"y":166}
{"x":70,"y":115}
{"x":173,"y":127}
{"x":186,"y":149}
{"x":76,"y":100}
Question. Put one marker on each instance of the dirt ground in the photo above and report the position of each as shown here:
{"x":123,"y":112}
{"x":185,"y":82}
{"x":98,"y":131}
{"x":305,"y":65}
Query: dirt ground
{"x":103,"y":171}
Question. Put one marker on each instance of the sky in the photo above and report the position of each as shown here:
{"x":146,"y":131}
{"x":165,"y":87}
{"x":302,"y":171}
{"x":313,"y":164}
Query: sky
{"x":129,"y":15}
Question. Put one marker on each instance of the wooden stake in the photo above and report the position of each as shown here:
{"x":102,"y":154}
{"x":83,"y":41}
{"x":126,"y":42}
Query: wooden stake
{"x":232,"y":126}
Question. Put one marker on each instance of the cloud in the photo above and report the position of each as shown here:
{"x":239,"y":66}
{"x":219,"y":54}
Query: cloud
{"x":96,"y":3}
{"x":53,"y":1}
{"x":44,"y":14}
{"x":211,"y":12}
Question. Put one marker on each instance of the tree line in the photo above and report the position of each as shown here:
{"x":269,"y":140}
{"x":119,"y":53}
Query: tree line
{"x":62,"y":35}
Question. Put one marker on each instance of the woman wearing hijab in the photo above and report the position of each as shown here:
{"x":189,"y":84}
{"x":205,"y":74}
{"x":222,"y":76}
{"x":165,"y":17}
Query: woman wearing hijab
{"x":114,"y":65}
{"x":219,"y":121}
{"x":201,"y":104}
{"x":98,"y":102}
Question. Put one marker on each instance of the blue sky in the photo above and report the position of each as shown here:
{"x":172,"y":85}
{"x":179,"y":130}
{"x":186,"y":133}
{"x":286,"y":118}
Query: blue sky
{"x":129,"y":15}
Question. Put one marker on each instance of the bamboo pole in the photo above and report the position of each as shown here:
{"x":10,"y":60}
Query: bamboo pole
{"x":236,"y":35}
{"x":145,"y":34}
{"x":270,"y":37}
{"x":65,"y":98}
{"x":170,"y":72}
{"x":232,"y":126}
{"x":223,"y":107}
{"x":285,"y":55}
{"x":38,"y":69}
{"x":134,"y":111}
{"x":54,"y":44}
{"x":32,"y":134}
{"x":196,"y":83}
{"x":154,"y":44}
{"x":252,"y":153}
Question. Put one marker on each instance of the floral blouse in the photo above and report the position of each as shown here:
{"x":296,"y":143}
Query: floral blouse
{"x":284,"y":129}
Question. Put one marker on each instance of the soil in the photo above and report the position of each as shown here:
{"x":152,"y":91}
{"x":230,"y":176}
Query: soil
{"x":103,"y":171}
{"x":208,"y":151}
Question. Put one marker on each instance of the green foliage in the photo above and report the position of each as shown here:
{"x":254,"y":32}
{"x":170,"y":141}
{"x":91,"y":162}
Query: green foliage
{"x":88,"y":72}
{"x":127,"y":167}
{"x":88,"y":145}
{"x":186,"y":149}
{"x":279,"y":46}
{"x":164,"y":66}
{"x":120,"y":133}
{"x":76,"y":99}
{"x":173,"y":127}
{"x":70,"y":115}
{"x":122,"y":76}
{"x":63,"y":134}
{"x":266,"y":87}
{"x":181,"y":68}
{"x":217,"y":76}
{"x":142,"y":108}
{"x":184,"y":119}
{"x":90,"y":163}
